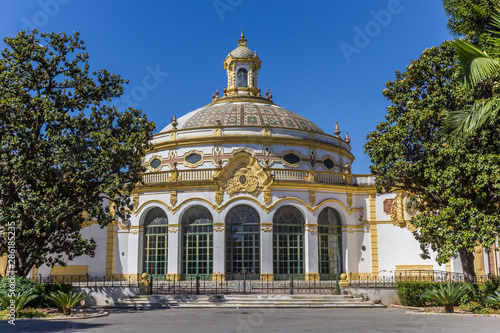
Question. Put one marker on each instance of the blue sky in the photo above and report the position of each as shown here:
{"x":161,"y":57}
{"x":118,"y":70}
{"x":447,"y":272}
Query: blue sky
{"x":325,"y":60}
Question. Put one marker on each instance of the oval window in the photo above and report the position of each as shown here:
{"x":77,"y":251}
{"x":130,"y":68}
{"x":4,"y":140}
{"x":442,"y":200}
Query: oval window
{"x":291,"y":158}
{"x":328,"y":163}
{"x":193,"y":158}
{"x":155,"y":164}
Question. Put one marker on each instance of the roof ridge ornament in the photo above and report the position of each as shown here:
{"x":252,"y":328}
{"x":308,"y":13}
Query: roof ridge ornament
{"x":337,"y":130}
{"x":242,"y":41}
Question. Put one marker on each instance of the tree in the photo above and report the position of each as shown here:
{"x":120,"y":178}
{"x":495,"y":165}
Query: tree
{"x":477,"y":67}
{"x":63,"y":150}
{"x":452,"y":184}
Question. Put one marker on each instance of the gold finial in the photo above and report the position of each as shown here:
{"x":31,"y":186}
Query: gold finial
{"x":337,"y":131}
{"x":225,"y":91}
{"x":347,"y":138}
{"x":267,"y":93}
{"x":258,"y":93}
{"x":174,"y":122}
{"x":217,"y":93}
{"x":271,"y":97}
{"x":213,"y":97}
{"x":242,"y":41}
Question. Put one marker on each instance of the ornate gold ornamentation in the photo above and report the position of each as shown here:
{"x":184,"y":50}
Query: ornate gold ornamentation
{"x":312,"y":197}
{"x":173,"y":228}
{"x":311,"y":227}
{"x":135,"y":200}
{"x":266,"y":227}
{"x":173,"y":198}
{"x":349,"y":200}
{"x":243,"y":174}
{"x":267,"y":197}
{"x":219,"y":227}
{"x":173,"y":277}
{"x":219,"y":197}
{"x":312,"y":276}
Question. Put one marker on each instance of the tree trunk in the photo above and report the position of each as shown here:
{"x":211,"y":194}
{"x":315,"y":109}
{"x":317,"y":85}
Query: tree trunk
{"x":467,"y":259}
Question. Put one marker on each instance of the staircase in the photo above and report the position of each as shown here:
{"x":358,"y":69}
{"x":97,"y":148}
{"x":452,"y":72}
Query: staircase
{"x":244,"y":301}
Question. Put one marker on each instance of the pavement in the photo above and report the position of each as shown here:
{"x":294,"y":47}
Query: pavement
{"x":263,"y":320}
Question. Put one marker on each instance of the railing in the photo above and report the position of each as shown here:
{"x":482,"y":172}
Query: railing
{"x":289,"y":175}
{"x":155,"y":177}
{"x":371,"y":281}
{"x":333,"y":177}
{"x":433,"y":275}
{"x":93,"y":281}
{"x":281,"y":175}
{"x":198,"y":286}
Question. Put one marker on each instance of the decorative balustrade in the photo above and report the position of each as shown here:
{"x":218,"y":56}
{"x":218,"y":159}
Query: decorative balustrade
{"x":156,"y":177}
{"x":289,"y":175}
{"x":333,"y":177}
{"x":193,"y":175}
{"x":279,"y":175}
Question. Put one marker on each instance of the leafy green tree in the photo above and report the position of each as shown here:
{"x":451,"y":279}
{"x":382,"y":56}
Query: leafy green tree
{"x":454,"y":184}
{"x":64,"y":150}
{"x":469,"y":18}
{"x":477,"y":67}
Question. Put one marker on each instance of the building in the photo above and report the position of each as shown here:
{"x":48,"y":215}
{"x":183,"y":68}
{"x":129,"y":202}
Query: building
{"x":242,"y":185}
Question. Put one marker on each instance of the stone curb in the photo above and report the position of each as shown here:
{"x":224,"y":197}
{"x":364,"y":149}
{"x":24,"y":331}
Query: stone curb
{"x":105,"y":314}
{"x":421,"y":311}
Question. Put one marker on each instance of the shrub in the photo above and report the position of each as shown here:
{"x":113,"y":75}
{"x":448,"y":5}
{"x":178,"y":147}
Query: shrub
{"x":20,"y":300}
{"x":23,"y":285}
{"x":448,"y":294}
{"x":65,"y":301}
{"x":410,"y":292}
{"x":493,"y":299}
{"x":31,"y":313}
{"x":54,"y":287}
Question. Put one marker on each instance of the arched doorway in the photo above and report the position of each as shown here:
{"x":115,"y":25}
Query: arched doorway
{"x":330,"y":242}
{"x":197,"y":241}
{"x":288,"y":241}
{"x":155,"y":242}
{"x":242,"y":242}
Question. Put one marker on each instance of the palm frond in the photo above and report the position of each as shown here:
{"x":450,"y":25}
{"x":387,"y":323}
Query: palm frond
{"x":475,"y":65}
{"x":463,"y":122}
{"x":493,"y":299}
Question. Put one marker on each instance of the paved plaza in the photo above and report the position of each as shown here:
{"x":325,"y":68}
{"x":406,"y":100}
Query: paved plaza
{"x":264,"y":320}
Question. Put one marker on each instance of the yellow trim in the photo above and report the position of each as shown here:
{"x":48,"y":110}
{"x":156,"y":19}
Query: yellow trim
{"x":479,"y":261}
{"x":173,"y":277}
{"x":3,"y":264}
{"x":216,"y":140}
{"x":312,"y":276}
{"x":218,"y":277}
{"x":110,"y":248}
{"x":293,"y":152}
{"x":373,"y":233}
{"x":266,"y":276}
{"x":267,"y":209}
{"x":193,"y":151}
{"x":69,"y":270}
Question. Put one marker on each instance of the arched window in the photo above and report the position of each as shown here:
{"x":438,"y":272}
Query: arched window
{"x":288,"y":241}
{"x":330,"y":242}
{"x":155,"y":242}
{"x":242,"y":78}
{"x":242,"y":241}
{"x":197,"y":239}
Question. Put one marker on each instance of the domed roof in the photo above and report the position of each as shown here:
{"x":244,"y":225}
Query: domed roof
{"x":242,"y":52}
{"x":246,"y":114}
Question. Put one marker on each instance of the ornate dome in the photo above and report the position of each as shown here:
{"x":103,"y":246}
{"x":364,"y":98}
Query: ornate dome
{"x":242,"y":52}
{"x":246,"y":114}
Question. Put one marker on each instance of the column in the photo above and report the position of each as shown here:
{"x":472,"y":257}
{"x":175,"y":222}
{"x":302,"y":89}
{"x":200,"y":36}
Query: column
{"x":266,"y":252}
{"x":219,"y":252}
{"x":174,"y":268}
{"x":311,"y":252}
{"x":373,"y":233}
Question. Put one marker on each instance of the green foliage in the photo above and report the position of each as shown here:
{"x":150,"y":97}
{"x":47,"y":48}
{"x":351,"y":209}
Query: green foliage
{"x":452,"y":184}
{"x":53,"y":287}
{"x":447,"y":294}
{"x":493,"y":298}
{"x":475,"y":299}
{"x":23,"y":285}
{"x":410,"y":292}
{"x":20,"y":300}
{"x":31,"y":313}
{"x":469,"y":18}
{"x":64,"y":148}
{"x":66,"y":301}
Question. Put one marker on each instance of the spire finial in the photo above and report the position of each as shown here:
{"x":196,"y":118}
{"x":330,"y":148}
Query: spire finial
{"x":337,"y":131}
{"x":242,"y":41}
{"x":347,"y":138}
